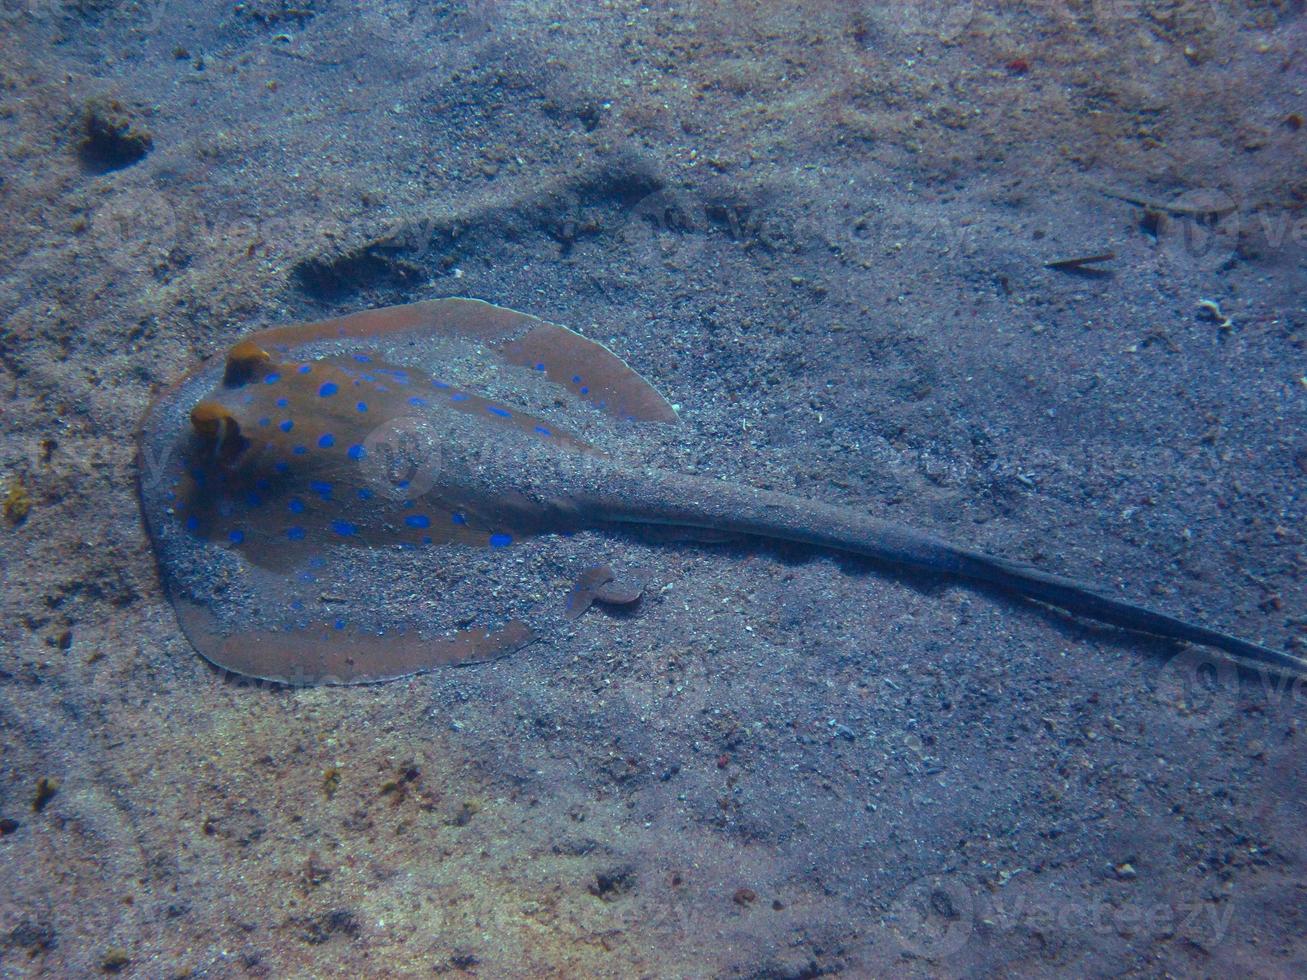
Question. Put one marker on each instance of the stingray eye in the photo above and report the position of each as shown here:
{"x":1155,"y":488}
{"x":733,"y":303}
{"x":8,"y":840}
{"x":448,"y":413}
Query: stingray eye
{"x":210,"y":419}
{"x":246,"y":361}
{"x":218,"y":428}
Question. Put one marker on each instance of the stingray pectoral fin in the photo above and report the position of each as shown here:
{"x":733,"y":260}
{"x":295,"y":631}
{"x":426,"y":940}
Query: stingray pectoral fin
{"x":590,"y":371}
{"x":323,"y":654}
{"x":585,"y":367}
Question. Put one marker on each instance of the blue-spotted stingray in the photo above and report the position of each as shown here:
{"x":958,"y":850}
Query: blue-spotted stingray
{"x":363,"y":498}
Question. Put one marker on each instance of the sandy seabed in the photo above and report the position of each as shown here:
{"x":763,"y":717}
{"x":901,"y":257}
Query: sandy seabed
{"x":822,"y":231}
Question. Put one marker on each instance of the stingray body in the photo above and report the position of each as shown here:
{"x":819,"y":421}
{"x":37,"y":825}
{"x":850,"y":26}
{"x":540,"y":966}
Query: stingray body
{"x":367,"y":497}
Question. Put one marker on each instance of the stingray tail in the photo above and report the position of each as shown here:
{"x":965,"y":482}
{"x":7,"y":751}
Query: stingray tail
{"x":665,"y":499}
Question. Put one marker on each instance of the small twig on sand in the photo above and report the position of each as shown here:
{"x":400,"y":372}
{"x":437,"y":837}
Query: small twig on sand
{"x":1186,"y":210}
{"x":1079,"y":262}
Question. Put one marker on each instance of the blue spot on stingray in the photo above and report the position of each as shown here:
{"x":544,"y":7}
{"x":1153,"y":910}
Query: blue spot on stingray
{"x":458,"y":396}
{"x":253,"y":500}
{"x":170,"y":495}
{"x":458,"y":518}
{"x":540,"y":367}
{"x":417,"y":520}
{"x":281,"y":466}
{"x":304,"y":368}
{"x":500,"y":540}
{"x":362,"y":358}
{"x":585,"y":390}
{"x":322,"y":489}
{"x":415,"y":400}
{"x":265,"y":421}
{"x":326,"y":441}
{"x":576,"y":379}
{"x":402,"y":484}
{"x":300,"y":450}
{"x":496,"y":410}
{"x":286,"y":426}
{"x":362,"y":406}
{"x":543,"y":431}
{"x":357,"y":452}
{"x":440,"y":384}
{"x":338,"y":624}
{"x":365,"y":493}
{"x":344,"y":528}
{"x":327,"y":390}
{"x":272,"y":379}
{"x":236,"y":536}
{"x":295,"y":533}
{"x":296,"y":505}
{"x":296,"y":604}
{"x":283,"y":402}
{"x":192,"y":523}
